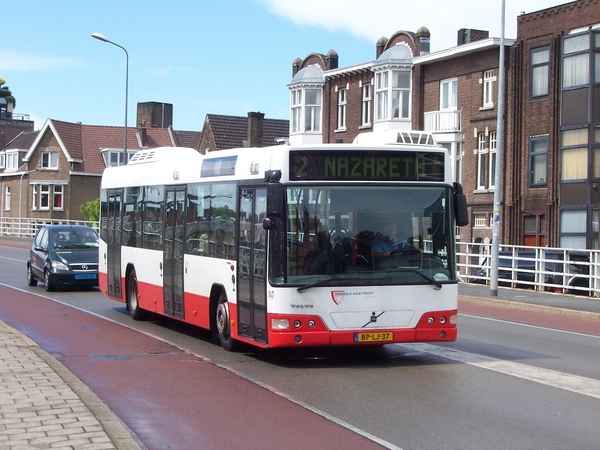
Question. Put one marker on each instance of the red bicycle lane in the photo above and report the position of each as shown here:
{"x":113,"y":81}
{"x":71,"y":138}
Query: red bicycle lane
{"x":170,"y":398}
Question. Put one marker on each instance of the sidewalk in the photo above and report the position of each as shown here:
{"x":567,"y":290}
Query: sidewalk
{"x":43,"y":405}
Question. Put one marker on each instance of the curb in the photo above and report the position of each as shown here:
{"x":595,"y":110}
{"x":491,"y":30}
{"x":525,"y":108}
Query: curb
{"x":120,"y":435}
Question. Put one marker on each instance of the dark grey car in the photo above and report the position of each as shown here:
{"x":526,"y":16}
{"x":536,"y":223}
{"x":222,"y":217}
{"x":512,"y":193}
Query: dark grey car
{"x":64,"y":256}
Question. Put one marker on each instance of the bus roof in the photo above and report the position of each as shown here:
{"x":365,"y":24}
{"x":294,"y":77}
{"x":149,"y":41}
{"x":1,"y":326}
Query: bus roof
{"x":179,"y":165}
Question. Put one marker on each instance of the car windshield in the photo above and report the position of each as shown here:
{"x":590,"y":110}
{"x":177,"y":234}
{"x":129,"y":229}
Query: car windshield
{"x":364,"y":235}
{"x":74,"y":239}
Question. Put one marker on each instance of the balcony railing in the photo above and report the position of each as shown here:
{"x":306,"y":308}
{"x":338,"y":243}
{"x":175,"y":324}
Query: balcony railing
{"x":14,"y":116}
{"x":443,"y":121}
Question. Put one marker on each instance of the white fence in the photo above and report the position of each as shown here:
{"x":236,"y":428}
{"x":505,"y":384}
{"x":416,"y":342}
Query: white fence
{"x":27,"y":227}
{"x":571,"y":271}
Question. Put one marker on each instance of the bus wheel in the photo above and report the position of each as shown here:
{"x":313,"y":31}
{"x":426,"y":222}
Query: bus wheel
{"x":133,"y":305}
{"x":223,"y":323}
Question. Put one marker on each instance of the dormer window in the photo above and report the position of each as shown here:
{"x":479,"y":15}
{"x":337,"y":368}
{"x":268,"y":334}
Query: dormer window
{"x":398,"y":91}
{"x":49,"y":160}
{"x":114,"y":157}
{"x":306,"y":104}
{"x":12,"y":160}
{"x":393,"y":83}
{"x":306,"y":115}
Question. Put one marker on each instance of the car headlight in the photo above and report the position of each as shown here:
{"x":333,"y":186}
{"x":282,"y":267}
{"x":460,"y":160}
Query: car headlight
{"x":57,"y":265}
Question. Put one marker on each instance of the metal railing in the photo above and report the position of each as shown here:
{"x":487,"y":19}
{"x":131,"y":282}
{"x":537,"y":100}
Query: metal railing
{"x":27,"y":227}
{"x":571,"y":271}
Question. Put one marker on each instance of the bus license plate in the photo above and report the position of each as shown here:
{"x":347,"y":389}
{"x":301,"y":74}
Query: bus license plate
{"x":85,"y":276}
{"x":374,"y":337}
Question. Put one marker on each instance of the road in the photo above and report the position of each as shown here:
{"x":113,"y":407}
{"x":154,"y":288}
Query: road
{"x":513,"y":380}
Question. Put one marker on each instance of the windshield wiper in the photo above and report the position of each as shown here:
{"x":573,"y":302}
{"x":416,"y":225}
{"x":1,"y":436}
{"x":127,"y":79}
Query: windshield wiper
{"x":324,"y":282}
{"x":437,"y":284}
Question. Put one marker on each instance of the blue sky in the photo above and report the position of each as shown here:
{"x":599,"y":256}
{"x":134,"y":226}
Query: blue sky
{"x":204,"y":56}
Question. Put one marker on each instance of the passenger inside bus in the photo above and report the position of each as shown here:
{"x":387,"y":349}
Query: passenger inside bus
{"x":387,"y":244}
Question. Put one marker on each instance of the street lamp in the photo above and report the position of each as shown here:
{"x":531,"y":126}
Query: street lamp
{"x":105,"y":39}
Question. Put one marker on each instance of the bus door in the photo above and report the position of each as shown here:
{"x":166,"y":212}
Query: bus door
{"x":173,"y":250}
{"x":113,"y":242}
{"x":252,"y":256}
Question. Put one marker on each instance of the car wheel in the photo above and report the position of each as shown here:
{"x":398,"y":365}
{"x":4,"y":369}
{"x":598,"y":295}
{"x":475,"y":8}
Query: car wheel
{"x":133,"y":305}
{"x":48,"y":285}
{"x":223,"y":323}
{"x":31,"y":281}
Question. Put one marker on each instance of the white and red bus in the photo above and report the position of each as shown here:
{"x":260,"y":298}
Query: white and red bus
{"x":274,"y":246}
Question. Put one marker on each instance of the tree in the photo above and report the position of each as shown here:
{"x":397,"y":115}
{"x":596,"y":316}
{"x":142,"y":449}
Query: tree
{"x":5,"y":92}
{"x":91,"y":210}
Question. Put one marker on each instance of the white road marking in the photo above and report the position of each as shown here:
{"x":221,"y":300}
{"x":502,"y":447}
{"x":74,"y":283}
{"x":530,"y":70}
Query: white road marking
{"x":553,"y":378}
{"x":558,"y":330}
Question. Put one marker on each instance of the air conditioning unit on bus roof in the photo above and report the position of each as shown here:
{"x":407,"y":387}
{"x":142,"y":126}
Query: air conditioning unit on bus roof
{"x":412,"y":137}
{"x":162,"y":154}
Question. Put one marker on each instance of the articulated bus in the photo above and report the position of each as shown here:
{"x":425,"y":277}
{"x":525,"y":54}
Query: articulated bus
{"x":275,"y":246}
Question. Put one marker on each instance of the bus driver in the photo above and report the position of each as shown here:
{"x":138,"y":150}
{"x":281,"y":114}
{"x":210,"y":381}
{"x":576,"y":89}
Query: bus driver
{"x":388,"y":244}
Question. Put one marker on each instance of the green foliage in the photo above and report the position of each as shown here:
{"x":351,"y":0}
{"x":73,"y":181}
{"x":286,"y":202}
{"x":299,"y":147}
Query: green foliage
{"x":91,"y":210}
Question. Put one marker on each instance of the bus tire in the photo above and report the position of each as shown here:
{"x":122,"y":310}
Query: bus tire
{"x":133,"y":305}
{"x":223,"y":323}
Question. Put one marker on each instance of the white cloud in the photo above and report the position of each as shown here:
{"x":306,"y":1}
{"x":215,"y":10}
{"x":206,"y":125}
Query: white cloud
{"x":378,"y":18}
{"x":11,"y":61}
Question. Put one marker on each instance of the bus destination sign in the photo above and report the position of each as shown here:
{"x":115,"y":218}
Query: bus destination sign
{"x":338,"y":165}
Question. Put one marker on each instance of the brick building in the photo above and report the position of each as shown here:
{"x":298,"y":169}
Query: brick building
{"x":11,"y":123}
{"x":47,"y":175}
{"x":551,"y":194}
{"x":551,"y":154}
{"x":450,"y":93}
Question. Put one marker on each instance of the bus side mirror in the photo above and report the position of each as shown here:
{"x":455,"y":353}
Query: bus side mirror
{"x":270,"y":223}
{"x":461,"y":214}
{"x":275,"y":205}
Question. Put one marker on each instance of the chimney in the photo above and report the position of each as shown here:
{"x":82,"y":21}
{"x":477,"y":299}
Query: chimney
{"x":423,"y":41}
{"x":155,"y":114}
{"x":143,"y":138}
{"x":296,"y":66}
{"x":255,"y":129}
{"x":331,"y":60}
{"x":468,"y":35}
{"x":380,"y":46}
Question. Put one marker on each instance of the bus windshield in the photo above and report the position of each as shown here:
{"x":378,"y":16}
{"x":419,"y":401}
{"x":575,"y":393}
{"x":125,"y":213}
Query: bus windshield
{"x":359,"y":235}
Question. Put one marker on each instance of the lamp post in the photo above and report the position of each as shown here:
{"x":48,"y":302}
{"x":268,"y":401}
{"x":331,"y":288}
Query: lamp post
{"x":498,"y":178}
{"x":105,"y":39}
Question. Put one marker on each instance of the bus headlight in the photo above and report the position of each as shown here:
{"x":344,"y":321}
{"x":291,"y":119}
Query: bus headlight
{"x":280,"y":324}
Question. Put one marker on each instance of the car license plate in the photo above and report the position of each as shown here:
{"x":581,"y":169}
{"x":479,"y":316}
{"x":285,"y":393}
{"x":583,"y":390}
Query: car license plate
{"x":374,"y":337}
{"x":85,"y":276}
